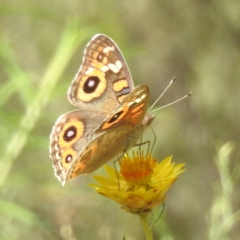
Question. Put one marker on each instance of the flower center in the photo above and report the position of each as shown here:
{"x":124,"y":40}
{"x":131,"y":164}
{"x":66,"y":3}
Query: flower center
{"x":137,"y":170}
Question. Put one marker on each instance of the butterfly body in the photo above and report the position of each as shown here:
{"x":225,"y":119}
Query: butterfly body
{"x":112,"y":118}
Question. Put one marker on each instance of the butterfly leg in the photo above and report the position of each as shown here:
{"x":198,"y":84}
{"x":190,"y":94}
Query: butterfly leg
{"x":140,"y":144}
{"x":115,"y":167}
{"x":154,"y":140}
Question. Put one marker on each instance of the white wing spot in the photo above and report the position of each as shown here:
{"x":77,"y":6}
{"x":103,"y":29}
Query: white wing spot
{"x":104,"y":68}
{"x":58,"y":157}
{"x":113,"y":68}
{"x":138,"y":100}
{"x":89,"y":71}
{"x":107,"y":49}
{"x":118,"y":64}
{"x":56,"y":148}
{"x":59,"y":129}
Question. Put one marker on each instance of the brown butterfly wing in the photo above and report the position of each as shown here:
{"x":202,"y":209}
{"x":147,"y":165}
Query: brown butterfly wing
{"x":103,"y":79}
{"x":70,"y":134}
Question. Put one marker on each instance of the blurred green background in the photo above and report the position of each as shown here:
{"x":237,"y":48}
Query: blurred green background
{"x":41,"y":49}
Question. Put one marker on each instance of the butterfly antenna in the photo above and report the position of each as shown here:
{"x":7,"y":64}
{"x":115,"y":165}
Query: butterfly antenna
{"x":171,"y":82}
{"x":180,"y":99}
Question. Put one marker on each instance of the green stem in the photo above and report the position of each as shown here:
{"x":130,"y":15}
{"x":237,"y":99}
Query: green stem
{"x":147,"y":231}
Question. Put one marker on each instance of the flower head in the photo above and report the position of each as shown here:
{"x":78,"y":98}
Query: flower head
{"x":141,"y":183}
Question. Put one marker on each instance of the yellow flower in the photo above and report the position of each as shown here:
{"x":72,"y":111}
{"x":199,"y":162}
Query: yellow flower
{"x":141,"y":183}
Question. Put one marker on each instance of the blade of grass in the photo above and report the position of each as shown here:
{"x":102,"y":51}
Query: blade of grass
{"x":23,"y":216}
{"x":222,"y":217}
{"x":19,"y":213}
{"x":68,"y":44}
{"x":18,"y":80}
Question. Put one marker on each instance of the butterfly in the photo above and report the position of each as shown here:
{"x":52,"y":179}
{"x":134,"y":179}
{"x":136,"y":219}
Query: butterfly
{"x":111,"y":116}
